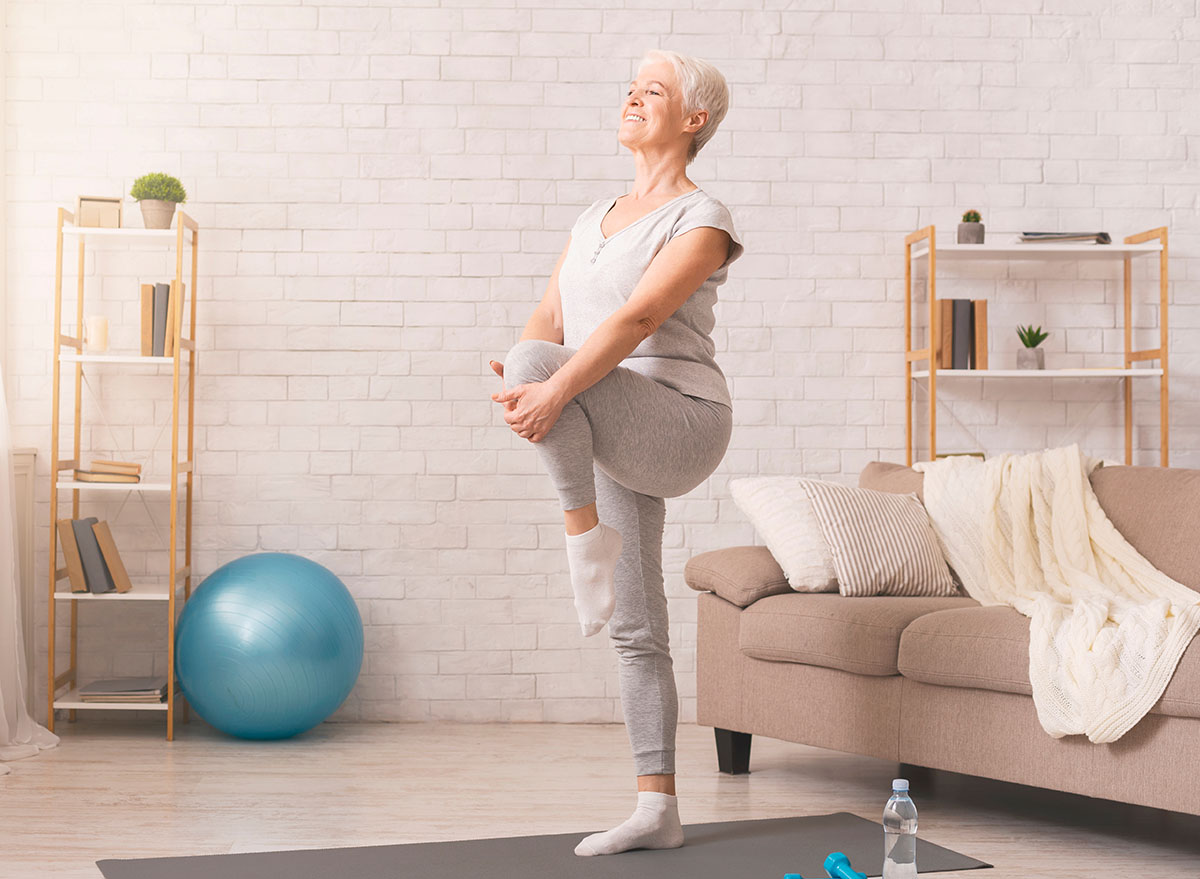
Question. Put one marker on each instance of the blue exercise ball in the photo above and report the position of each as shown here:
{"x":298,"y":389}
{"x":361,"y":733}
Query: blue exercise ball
{"x":268,"y":646}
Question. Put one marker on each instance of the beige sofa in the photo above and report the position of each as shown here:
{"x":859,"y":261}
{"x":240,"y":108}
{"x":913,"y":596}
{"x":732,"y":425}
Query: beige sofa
{"x":939,"y":682}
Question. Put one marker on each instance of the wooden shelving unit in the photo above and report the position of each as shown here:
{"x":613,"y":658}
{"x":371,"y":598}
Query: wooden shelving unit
{"x":922,"y":244}
{"x":167,"y":590}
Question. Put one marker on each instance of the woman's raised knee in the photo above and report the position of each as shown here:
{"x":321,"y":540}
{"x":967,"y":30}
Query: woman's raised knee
{"x":533,"y":360}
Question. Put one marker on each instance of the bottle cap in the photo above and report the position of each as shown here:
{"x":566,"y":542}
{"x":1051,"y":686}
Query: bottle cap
{"x":900,"y":784}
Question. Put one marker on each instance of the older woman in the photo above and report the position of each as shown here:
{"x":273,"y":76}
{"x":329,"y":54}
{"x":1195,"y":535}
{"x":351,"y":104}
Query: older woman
{"x":615,"y":383}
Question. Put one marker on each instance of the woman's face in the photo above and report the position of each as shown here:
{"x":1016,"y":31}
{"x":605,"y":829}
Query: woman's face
{"x":652,"y":112}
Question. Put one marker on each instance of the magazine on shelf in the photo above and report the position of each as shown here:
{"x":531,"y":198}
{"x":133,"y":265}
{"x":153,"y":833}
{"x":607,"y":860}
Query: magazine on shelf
{"x":1096,"y":237}
{"x":144,"y":689}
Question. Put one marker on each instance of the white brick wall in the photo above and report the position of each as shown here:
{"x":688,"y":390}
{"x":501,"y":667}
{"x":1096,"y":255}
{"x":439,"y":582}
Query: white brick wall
{"x":383,"y":188}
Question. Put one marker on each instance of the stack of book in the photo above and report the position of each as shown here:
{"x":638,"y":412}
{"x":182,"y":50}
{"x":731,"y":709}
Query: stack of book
{"x":125,"y":690}
{"x":963,"y":340}
{"x":93,"y":563}
{"x":110,"y":471}
{"x":160,"y":305}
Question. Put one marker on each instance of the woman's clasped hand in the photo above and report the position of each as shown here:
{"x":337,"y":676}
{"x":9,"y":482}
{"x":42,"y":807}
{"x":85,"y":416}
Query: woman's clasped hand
{"x":530,"y":409}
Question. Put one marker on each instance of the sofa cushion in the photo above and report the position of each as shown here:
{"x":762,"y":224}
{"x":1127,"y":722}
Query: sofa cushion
{"x":982,"y":647}
{"x":739,"y":574}
{"x":1155,"y":509}
{"x":860,"y":635}
{"x":896,"y":478}
{"x":987,"y":648}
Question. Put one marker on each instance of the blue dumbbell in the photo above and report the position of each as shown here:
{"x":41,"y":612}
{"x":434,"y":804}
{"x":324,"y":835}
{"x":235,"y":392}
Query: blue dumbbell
{"x":837,"y":865}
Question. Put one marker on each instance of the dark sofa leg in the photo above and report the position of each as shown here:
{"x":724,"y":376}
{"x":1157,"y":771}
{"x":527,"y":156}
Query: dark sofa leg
{"x":733,"y":751}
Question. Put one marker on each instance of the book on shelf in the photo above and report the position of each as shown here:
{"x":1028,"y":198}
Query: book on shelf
{"x":147,"y":320}
{"x":1067,"y":237}
{"x":962,"y":334}
{"x":125,"y":467}
{"x":103,"y":476}
{"x":160,"y":304}
{"x":112,"y":558}
{"x":129,"y":690}
{"x":946,"y":333}
{"x":70,"y":551}
{"x":960,"y":344}
{"x":979,"y":334}
{"x":99,"y":581}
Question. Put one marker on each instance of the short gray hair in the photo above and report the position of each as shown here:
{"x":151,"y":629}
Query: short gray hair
{"x":702,"y":87}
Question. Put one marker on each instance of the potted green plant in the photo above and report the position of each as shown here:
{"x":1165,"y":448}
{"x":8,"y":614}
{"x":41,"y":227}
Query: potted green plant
{"x":158,"y":194}
{"x":970,"y":230}
{"x":1031,"y":356}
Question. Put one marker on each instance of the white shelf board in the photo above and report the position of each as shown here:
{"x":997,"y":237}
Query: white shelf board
{"x":118,"y":486}
{"x":137,"y":592}
{"x":116,"y":358}
{"x":71,"y":699}
{"x":166,"y":236}
{"x":1040,"y":373}
{"x":1015,"y":249}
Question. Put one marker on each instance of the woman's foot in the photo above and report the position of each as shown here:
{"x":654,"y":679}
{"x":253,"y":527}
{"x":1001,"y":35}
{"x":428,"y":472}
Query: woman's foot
{"x":654,"y":824}
{"x":592,"y":558}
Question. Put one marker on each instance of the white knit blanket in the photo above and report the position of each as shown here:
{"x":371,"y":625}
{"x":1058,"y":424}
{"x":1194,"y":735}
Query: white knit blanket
{"x":1106,"y":627}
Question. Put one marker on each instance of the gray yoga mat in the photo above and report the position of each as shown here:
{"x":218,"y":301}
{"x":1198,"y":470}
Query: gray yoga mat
{"x":762,"y":849}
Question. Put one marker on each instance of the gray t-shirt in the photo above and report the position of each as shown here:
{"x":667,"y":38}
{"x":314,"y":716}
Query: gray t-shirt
{"x":599,"y":274}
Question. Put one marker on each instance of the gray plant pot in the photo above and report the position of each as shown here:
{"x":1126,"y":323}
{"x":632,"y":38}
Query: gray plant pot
{"x":156,"y":213}
{"x":970,"y":233}
{"x":1031,"y":358}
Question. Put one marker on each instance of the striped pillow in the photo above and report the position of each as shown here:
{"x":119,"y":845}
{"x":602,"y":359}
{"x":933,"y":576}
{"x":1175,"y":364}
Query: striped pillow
{"x":881,"y":542}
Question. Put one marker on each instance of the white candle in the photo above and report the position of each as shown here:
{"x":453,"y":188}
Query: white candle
{"x":96,"y":334}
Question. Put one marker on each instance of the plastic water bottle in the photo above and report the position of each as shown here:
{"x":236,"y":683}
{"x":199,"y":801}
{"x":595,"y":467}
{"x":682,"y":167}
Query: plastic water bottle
{"x":900,"y":834}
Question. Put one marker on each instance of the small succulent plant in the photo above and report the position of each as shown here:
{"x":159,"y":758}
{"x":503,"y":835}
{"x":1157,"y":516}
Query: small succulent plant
{"x":158,"y":186}
{"x":1030,"y":337}
{"x":971,"y":217}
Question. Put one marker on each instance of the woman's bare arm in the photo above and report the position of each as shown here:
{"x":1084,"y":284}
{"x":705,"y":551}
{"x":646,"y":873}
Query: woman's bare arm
{"x":546,"y":321}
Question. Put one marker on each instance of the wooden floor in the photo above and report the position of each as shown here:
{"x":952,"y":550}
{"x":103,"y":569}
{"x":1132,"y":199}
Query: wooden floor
{"x":120,"y":790}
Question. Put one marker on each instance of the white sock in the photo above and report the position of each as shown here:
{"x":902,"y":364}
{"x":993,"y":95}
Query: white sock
{"x":592,"y":557}
{"x":654,"y":824}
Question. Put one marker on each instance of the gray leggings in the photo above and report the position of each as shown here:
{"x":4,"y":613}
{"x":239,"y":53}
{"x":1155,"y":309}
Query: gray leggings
{"x":628,"y":442}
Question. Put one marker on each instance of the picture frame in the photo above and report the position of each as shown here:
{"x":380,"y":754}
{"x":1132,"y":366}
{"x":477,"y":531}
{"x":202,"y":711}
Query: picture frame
{"x":100,"y":211}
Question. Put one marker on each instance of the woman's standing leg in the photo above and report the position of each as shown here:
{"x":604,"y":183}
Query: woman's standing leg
{"x":639,"y":632}
{"x":639,"y":625}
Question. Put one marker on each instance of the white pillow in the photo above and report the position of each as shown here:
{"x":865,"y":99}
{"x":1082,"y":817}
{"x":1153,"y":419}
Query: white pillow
{"x":782,"y":513}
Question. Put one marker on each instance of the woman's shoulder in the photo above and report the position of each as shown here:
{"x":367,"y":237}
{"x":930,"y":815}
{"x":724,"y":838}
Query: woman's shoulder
{"x":702,"y":210}
{"x":707,"y":202}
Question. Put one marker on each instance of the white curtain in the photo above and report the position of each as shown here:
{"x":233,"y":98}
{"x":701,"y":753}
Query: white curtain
{"x":20,"y":735}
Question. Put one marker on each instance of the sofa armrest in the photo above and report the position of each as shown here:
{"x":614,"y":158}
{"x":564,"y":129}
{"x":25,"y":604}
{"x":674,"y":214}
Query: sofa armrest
{"x":739,"y":574}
